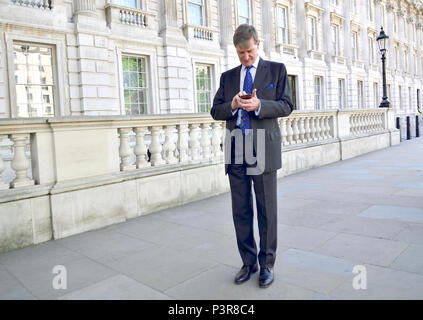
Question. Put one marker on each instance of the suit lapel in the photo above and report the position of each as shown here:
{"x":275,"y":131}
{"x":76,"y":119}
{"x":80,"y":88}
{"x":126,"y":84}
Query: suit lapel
{"x":235,"y":80}
{"x":261,"y":75}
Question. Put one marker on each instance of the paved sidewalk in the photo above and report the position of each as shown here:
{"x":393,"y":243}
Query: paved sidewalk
{"x":363,"y":211}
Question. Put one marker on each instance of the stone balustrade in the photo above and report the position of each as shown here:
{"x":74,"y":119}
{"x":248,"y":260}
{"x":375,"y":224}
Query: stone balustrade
{"x":365,"y":122}
{"x":140,"y":143}
{"x":200,"y":33}
{"x":306,"y":127}
{"x":41,"y":4}
{"x":128,"y":16}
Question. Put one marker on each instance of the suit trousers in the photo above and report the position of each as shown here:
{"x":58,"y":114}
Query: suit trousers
{"x":265,"y":189}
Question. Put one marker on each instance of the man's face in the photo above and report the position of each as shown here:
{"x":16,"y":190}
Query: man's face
{"x":247,"y":53}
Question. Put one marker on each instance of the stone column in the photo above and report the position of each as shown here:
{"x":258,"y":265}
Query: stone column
{"x":347,"y":52}
{"x":301,"y":27}
{"x":173,"y":62}
{"x":419,"y":49}
{"x":327,"y":36}
{"x":389,"y":30}
{"x":227,"y":29}
{"x":267,"y":26}
{"x":91,"y":64}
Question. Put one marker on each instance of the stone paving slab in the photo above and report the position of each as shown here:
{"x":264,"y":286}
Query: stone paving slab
{"x":370,"y":250}
{"x":118,"y":287}
{"x":365,"y":211}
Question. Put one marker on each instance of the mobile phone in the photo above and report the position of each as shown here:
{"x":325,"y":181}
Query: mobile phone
{"x":246,"y":96}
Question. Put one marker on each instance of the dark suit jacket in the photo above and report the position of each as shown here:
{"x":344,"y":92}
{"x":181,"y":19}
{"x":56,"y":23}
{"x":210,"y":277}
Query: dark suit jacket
{"x":271,"y":82}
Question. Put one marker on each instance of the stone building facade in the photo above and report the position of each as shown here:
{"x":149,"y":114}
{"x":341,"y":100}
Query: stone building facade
{"x":128,"y":57}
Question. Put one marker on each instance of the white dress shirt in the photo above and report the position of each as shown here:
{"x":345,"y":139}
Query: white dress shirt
{"x":253,"y":71}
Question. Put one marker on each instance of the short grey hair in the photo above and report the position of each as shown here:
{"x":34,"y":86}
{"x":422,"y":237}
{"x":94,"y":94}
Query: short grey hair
{"x":244,"y":33}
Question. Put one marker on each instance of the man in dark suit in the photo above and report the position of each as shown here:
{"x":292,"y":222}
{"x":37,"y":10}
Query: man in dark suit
{"x":254,"y":119}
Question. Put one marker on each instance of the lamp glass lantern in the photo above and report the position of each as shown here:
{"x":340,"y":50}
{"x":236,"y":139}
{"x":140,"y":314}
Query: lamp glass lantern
{"x":382,"y":40}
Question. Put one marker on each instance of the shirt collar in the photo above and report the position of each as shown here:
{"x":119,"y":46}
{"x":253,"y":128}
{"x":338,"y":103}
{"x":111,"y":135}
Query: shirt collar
{"x":255,"y":64}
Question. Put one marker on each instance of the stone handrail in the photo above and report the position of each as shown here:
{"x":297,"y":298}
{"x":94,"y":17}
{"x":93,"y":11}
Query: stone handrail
{"x":68,"y":148}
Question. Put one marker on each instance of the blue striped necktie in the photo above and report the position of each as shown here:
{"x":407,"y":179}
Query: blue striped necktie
{"x":248,"y":88}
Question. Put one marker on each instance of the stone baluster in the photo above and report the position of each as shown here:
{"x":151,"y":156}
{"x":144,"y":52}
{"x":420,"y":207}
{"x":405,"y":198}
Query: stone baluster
{"x":312,"y":129}
{"x":381,"y":121}
{"x":330,"y":127}
{"x":125,"y":150}
{"x":295,"y":131}
{"x":3,"y":185}
{"x":352,"y":124}
{"x":326,"y":127}
{"x":317,"y":128}
{"x":194,"y":144}
{"x":373,"y":122}
{"x":307,"y":131}
{"x":156,"y":146}
{"x":183,"y":143}
{"x":377,"y":122}
{"x":20,"y":162}
{"x":140,"y":149}
{"x":357,"y":119}
{"x":216,"y":150}
{"x":169,"y":146}
{"x":289,"y":132}
{"x":301,"y":130}
{"x":365,"y":121}
{"x":205,"y":141}
{"x":283,"y":131}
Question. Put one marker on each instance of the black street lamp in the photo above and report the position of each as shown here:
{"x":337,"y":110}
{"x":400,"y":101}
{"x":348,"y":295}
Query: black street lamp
{"x":382,"y":41}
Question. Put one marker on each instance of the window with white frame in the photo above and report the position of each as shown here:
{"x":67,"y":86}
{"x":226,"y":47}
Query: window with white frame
{"x":34,"y":79}
{"x":341,"y":93}
{"x":127,"y":3}
{"x":360,"y":94}
{"x":135,"y":84}
{"x":196,"y":12}
{"x":376,"y":94}
{"x":283,"y":25}
{"x":312,"y":33}
{"x":318,"y":92}
{"x":203,"y":81}
{"x":354,"y":45}
{"x":244,"y":11}
{"x":334,"y":2}
{"x":335,"y":39}
{"x":410,"y":101}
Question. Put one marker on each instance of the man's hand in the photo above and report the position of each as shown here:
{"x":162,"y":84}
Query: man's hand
{"x":250,"y":104}
{"x":236,"y":101}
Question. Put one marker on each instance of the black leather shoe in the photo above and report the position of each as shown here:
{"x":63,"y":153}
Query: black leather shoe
{"x":266,"y":277}
{"x":245,"y":273}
